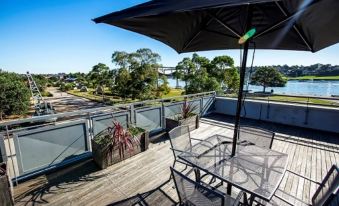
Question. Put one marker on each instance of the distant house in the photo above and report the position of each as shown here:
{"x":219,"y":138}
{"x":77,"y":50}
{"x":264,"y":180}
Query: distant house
{"x":70,"y":80}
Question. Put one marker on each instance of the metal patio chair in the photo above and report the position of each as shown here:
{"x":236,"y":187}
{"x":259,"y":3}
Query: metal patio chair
{"x":260,"y":137}
{"x":325,"y":195}
{"x":191,"y":192}
{"x":181,"y":140}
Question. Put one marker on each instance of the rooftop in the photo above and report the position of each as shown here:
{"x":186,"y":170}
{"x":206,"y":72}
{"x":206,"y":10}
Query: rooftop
{"x":144,"y":178}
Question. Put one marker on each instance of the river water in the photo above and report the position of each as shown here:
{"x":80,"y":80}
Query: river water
{"x":294,"y":87}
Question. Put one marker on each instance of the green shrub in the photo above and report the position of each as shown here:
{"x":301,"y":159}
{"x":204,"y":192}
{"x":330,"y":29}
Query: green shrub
{"x":66,"y":87}
{"x":14,"y":94}
{"x":46,"y":94}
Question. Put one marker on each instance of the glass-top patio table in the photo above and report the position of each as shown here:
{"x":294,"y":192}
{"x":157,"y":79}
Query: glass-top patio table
{"x":255,"y":170}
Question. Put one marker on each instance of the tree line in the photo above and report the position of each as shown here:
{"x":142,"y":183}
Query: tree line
{"x":136,"y":76}
{"x":312,"y":70}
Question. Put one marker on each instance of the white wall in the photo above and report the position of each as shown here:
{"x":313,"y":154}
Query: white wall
{"x":315,"y":117}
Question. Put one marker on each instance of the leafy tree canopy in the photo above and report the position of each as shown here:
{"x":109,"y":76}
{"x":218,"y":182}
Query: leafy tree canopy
{"x":268,"y":77}
{"x":99,"y":75}
{"x":14,"y":94}
{"x":201,"y":74}
{"x":137,"y":74}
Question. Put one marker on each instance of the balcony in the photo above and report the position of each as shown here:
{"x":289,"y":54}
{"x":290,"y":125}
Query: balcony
{"x":144,"y":178}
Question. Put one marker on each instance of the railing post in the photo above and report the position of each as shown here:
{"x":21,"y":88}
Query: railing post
{"x":133,"y":120}
{"x":307,"y":111}
{"x":163,"y":117}
{"x":11,"y":155}
{"x":268,"y":108}
{"x":201,"y":106}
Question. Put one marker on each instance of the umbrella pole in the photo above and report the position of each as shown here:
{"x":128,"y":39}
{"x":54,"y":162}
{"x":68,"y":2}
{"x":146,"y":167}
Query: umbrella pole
{"x":240,"y":96}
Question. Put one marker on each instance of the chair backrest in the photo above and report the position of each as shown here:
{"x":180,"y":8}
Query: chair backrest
{"x":328,"y":187}
{"x":193,"y":193}
{"x":260,"y":137}
{"x":333,"y":200}
{"x":180,"y":139}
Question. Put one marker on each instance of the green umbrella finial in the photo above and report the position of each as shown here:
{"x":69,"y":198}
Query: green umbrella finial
{"x":247,"y":36}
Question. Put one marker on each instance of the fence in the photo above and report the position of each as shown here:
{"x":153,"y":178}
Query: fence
{"x":39,"y":144}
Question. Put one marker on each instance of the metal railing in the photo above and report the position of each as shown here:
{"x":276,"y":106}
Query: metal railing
{"x":294,"y":99}
{"x":34,"y":145}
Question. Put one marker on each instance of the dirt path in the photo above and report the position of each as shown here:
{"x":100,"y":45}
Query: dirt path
{"x":64,"y":102}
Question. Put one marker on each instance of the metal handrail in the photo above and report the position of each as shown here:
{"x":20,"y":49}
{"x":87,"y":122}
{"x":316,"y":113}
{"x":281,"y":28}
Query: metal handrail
{"x":99,"y":109}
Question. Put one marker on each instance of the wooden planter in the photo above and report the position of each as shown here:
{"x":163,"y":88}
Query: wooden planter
{"x":192,"y":122}
{"x":101,"y":153}
{"x":5,"y":190}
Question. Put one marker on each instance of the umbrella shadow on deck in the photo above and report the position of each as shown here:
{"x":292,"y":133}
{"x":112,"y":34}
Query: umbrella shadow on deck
{"x":43,"y":189}
{"x":156,"y":196}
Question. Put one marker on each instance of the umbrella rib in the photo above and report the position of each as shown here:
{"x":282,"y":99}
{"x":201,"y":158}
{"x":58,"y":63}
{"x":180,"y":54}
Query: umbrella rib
{"x":188,"y":43}
{"x":224,"y":25}
{"x":301,"y":35}
{"x":277,"y":24}
{"x":220,"y":33}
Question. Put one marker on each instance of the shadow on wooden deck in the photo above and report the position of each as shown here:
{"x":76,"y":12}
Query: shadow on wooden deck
{"x":156,"y":196}
{"x":65,"y":180}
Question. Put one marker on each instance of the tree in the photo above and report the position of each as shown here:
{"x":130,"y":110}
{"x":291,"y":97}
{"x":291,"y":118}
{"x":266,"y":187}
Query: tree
{"x":268,"y":77}
{"x":219,"y":66}
{"x":122,"y":83}
{"x":138,"y":74}
{"x":164,"y":87}
{"x":232,"y":80}
{"x":222,"y":68}
{"x":196,"y":72}
{"x":14,"y":95}
{"x":99,"y":75}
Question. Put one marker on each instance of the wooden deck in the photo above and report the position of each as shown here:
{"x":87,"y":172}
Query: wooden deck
{"x":145,"y":177}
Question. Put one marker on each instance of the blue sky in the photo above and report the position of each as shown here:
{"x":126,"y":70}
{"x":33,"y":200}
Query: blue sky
{"x":51,"y":36}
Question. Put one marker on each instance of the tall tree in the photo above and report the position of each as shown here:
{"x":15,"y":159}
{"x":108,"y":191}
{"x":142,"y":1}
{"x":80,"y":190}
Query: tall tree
{"x":268,"y":77}
{"x":219,"y":65}
{"x":232,"y":80}
{"x":138,"y":71}
{"x":14,"y":94}
{"x":99,"y":75}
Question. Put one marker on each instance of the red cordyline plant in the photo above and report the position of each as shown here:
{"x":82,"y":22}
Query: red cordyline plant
{"x":121,"y":139}
{"x":187,"y":110}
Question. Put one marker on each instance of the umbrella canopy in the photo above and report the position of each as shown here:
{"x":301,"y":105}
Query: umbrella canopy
{"x":200,"y":25}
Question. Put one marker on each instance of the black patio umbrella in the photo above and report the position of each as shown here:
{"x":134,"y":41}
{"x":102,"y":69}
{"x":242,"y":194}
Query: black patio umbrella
{"x":201,"y":25}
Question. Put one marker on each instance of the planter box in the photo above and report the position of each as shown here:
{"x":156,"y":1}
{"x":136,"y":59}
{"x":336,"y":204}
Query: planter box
{"x":5,"y":191}
{"x":101,"y":153}
{"x":192,"y":122}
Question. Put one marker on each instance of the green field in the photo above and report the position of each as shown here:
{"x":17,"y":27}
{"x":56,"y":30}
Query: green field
{"x":289,"y":99}
{"x":173,"y":93}
{"x":314,"y":78}
{"x":109,"y":99}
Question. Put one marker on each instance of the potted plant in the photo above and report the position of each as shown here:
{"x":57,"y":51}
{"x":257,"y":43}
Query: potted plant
{"x":185,"y":117}
{"x":116,"y":143}
{"x":5,"y":191}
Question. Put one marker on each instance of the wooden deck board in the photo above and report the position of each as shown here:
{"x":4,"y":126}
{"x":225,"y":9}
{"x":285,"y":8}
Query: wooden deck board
{"x":145,"y":177}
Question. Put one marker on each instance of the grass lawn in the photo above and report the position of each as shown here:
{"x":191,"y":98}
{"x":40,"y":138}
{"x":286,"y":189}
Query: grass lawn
{"x":173,"y":93}
{"x":113,"y":100}
{"x":315,"y":78}
{"x":300,"y":100}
